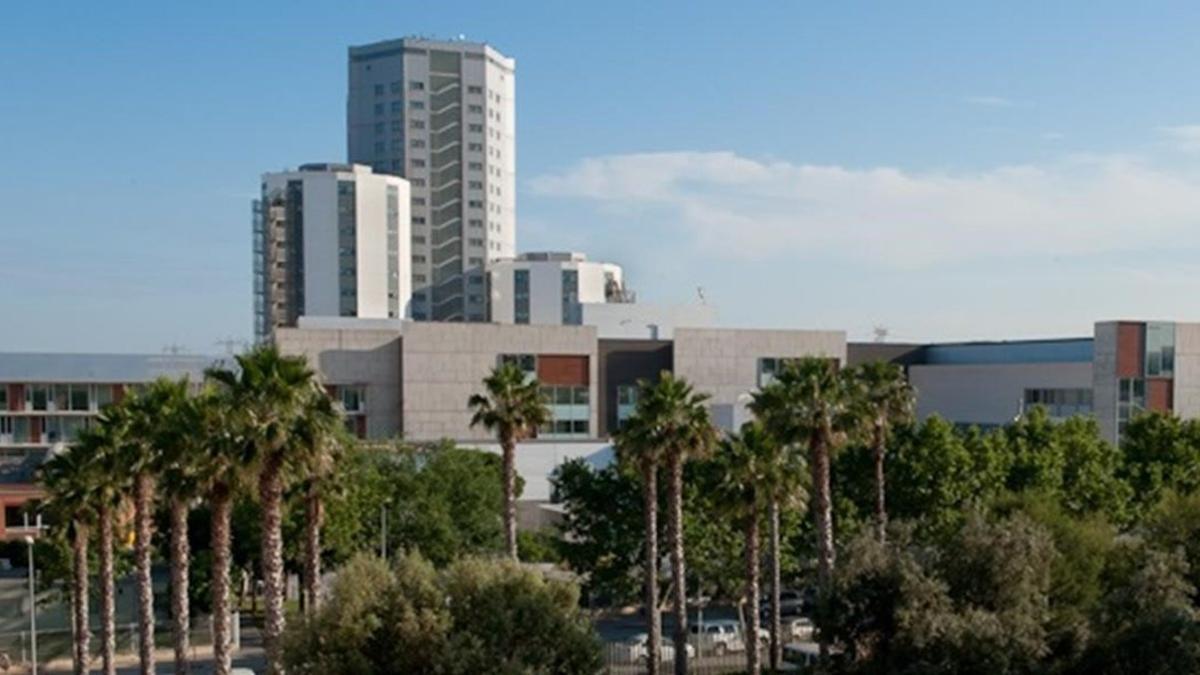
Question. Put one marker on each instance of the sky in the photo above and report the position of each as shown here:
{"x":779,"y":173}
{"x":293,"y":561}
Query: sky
{"x":946,"y":170}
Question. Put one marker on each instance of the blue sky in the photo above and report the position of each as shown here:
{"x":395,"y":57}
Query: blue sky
{"x":950,"y":170}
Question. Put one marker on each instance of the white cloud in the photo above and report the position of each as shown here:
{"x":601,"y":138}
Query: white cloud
{"x":1185,"y":137}
{"x":731,"y":206}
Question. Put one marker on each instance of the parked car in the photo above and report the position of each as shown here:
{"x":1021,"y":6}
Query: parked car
{"x":718,"y":636}
{"x":801,"y":653}
{"x":791,"y":603}
{"x":800,"y":628}
{"x":637,"y":651}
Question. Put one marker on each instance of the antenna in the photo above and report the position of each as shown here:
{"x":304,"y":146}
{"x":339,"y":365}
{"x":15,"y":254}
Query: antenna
{"x":174,"y":349}
{"x":881,"y":333}
{"x":231,"y":344}
{"x":700,"y":294}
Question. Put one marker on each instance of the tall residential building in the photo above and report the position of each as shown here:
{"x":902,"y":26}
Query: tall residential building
{"x":442,"y":114}
{"x":330,"y":240}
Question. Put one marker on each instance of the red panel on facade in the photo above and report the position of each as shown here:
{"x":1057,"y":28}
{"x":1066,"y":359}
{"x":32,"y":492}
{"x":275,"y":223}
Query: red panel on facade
{"x":35,"y":429}
{"x":118,"y":392}
{"x":562,"y":369}
{"x":16,"y":397}
{"x":1131,"y":350}
{"x":360,"y":426}
{"x":1160,"y":395}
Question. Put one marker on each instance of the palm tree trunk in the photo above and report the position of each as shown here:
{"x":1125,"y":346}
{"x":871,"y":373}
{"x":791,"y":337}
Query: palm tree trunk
{"x":222,"y":509}
{"x":108,"y":614}
{"x":509,"y":448}
{"x":314,"y":515}
{"x":776,"y":627}
{"x":79,"y":599}
{"x":880,"y":501}
{"x":650,"y":564}
{"x":270,"y":488}
{"x":143,"y":499}
{"x":678,"y":572}
{"x":180,"y":615}
{"x":752,"y":654}
{"x":823,"y":512}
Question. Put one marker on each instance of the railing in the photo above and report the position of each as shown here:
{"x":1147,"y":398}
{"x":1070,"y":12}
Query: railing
{"x":622,"y":658}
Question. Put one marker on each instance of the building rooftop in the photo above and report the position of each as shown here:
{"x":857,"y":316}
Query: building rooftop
{"x":101,"y":368}
{"x":1053,"y":350}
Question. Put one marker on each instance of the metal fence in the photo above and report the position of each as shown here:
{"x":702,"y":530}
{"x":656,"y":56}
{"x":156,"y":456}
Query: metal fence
{"x":626,"y":658}
{"x":58,"y":643}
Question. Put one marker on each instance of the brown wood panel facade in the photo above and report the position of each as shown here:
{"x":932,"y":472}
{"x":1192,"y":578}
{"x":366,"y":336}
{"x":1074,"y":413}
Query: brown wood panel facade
{"x":563,"y":369}
{"x":1131,"y":349}
{"x":1160,"y":394}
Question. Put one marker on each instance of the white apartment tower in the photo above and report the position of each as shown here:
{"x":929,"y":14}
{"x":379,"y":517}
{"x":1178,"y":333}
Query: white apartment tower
{"x":330,"y":240}
{"x":441,"y":114}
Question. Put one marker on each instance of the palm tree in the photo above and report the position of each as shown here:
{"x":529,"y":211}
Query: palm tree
{"x":513,"y":408}
{"x":103,"y":444}
{"x":269,"y":391}
{"x":810,"y":402}
{"x":886,"y":399}
{"x":68,"y":478}
{"x":674,"y":418}
{"x":179,"y":476}
{"x":149,"y":433}
{"x":224,"y":461}
{"x":321,"y":435}
{"x":638,"y":449}
{"x":746,"y":462}
{"x":783,"y":484}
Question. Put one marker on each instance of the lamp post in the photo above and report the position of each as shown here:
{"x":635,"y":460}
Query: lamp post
{"x":32,"y":611}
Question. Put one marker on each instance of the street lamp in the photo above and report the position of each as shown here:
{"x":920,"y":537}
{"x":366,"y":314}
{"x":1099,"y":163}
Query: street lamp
{"x":32,"y":611}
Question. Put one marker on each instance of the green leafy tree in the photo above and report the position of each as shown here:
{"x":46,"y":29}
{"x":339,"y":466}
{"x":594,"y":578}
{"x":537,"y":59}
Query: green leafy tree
{"x":474,"y":616}
{"x":321,"y":437}
{"x":1174,"y":526}
{"x":1091,"y":479}
{"x":1161,"y":453}
{"x":513,"y":408}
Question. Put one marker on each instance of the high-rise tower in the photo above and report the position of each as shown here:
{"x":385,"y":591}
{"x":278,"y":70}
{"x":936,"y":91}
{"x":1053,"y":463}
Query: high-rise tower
{"x":442,"y":114}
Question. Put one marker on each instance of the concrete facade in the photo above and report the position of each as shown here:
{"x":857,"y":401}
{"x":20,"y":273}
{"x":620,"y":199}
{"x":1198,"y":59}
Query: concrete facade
{"x":989,"y":394}
{"x":724,"y":363}
{"x":1187,"y":370}
{"x":446,"y":362}
{"x":1104,"y":378}
{"x":369,"y":358}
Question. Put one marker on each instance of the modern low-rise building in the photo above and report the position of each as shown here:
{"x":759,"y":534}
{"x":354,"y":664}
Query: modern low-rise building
{"x":551,"y":288}
{"x":330,"y":240}
{"x":46,"y":399}
{"x":1123,"y":368}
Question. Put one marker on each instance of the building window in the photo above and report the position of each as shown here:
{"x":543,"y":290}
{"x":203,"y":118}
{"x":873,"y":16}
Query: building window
{"x":475,"y":242}
{"x":378,"y":109}
{"x":520,"y":296}
{"x":475,"y":108}
{"x":415,"y":85}
{"x":475,"y":184}
{"x":474,"y":89}
{"x":3,"y":397}
{"x":475,"y":147}
{"x":769,"y":367}
{"x":1160,"y":349}
{"x":353,"y":398}
{"x":1060,"y":403}
{"x":627,"y":398}
{"x":416,"y":105}
{"x":569,"y":412}
{"x":397,"y":87}
{"x":416,"y":124}
{"x":1131,"y":400}
{"x":572,"y":312}
{"x":475,"y":128}
{"x":418,"y":220}
{"x":417,"y":143}
{"x":475,"y":222}
{"x":526,"y":362}
{"x":418,"y":258}
{"x":475,"y":204}
{"x":418,"y":163}
{"x":475,"y":166}
{"x":37,"y":397}
{"x":379,"y":90}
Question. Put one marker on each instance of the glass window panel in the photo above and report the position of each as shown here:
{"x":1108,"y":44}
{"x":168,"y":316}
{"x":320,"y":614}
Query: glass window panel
{"x":79,"y":397}
{"x":562,"y":395}
{"x":581,"y":395}
{"x":38,"y":396}
{"x":580,"y":427}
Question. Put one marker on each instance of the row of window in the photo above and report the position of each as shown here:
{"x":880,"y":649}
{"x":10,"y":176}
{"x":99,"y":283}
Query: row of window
{"x":1061,"y":402}
{"x":397,"y":87}
{"x":57,"y":397}
{"x":42,"y":430}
